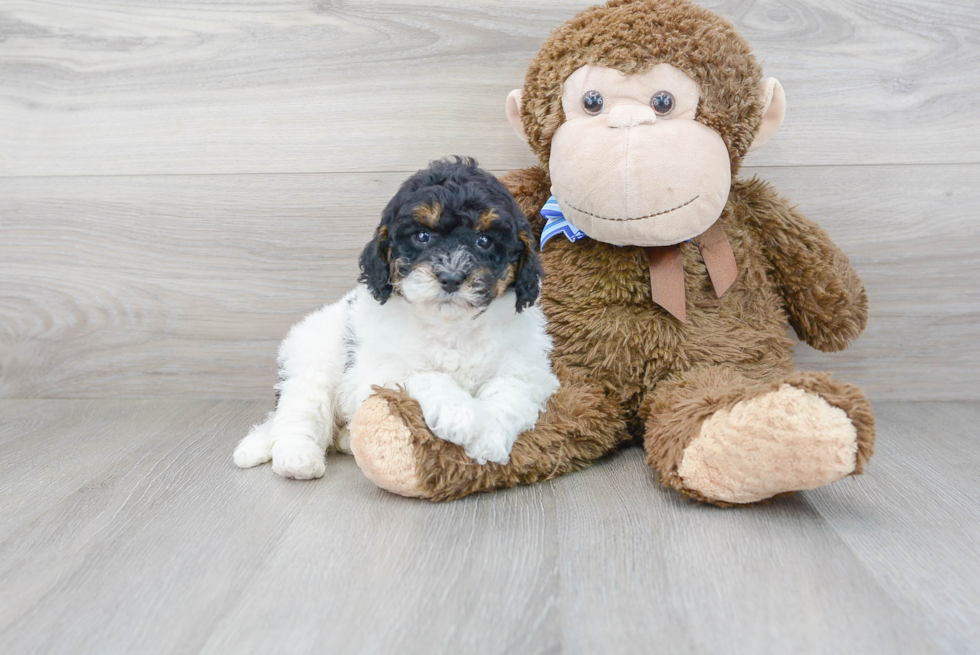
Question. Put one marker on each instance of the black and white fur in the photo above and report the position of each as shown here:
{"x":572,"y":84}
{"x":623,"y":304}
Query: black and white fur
{"x":445,"y":308}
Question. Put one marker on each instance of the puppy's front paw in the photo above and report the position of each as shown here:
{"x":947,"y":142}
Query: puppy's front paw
{"x":453,"y":419}
{"x":458,"y":424}
{"x":256,"y":447}
{"x":298,"y":458}
{"x":491,"y":446}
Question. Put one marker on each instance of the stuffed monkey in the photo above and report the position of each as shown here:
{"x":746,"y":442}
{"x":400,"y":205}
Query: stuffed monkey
{"x":669,"y":281}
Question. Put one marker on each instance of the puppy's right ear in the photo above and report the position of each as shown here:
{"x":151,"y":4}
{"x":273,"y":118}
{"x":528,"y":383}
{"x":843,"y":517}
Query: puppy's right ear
{"x":375,"y":266}
{"x":529,"y":270}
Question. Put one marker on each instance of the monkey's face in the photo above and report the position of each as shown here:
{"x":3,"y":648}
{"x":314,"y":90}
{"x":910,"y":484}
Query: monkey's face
{"x":630,"y":165}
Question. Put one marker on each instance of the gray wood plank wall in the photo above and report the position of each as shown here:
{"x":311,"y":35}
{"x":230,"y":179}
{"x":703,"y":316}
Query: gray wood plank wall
{"x":180,"y":182}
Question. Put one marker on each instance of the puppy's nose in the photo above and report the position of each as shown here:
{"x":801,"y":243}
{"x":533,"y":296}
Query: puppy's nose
{"x":450,"y":281}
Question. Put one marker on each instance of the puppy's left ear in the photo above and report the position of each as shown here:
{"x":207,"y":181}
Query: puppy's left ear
{"x":529,"y":270}
{"x":375,"y":269}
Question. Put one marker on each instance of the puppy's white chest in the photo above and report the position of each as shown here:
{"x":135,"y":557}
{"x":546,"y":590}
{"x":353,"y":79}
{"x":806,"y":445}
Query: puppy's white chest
{"x":462,"y":359}
{"x":449,"y":361}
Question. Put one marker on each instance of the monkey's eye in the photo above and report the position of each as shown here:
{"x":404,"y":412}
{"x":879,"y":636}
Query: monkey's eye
{"x":484,"y":242}
{"x":592,"y":103}
{"x":662,"y":103}
{"x":421,"y":238}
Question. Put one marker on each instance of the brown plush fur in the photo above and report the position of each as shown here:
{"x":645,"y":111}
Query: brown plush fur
{"x":627,"y":368}
{"x":531,"y":188}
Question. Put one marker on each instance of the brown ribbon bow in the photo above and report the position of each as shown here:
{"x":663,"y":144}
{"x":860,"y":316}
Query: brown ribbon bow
{"x":667,"y":269}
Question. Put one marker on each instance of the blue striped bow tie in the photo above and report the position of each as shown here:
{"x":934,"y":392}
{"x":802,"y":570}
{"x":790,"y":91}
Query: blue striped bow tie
{"x":557,"y":223}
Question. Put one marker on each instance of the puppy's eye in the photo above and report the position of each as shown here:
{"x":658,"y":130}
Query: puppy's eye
{"x":421,"y":238}
{"x":484,"y":242}
{"x":662,"y":103}
{"x":592,"y":102}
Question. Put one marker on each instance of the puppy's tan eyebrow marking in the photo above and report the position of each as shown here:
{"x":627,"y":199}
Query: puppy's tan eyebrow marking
{"x":428,"y":214}
{"x":486,"y":220}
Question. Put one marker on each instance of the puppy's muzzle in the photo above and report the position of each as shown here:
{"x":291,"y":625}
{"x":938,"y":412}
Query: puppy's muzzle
{"x":451,"y":269}
{"x":450,"y":281}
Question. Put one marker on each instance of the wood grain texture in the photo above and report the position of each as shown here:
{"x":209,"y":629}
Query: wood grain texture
{"x":915,"y":521}
{"x":75,"y":442}
{"x":129,"y":528}
{"x":644,"y":571}
{"x":376,"y":573}
{"x":184,"y":285}
{"x":171,"y":548}
{"x":153,"y":542}
{"x":157,"y":283}
{"x":295,"y":86}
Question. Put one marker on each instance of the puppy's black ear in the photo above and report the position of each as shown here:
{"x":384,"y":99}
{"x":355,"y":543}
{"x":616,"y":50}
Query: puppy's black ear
{"x":375,"y":267}
{"x":529,"y":270}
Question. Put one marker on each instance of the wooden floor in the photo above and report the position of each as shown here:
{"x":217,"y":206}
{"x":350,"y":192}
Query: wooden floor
{"x":125,"y":528}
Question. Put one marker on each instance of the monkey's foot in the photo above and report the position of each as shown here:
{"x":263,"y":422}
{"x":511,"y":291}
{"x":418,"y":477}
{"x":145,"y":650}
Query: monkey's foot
{"x":784,"y":440}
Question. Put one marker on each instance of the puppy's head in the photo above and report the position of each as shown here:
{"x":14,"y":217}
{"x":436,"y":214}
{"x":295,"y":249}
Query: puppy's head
{"x":450,"y":242}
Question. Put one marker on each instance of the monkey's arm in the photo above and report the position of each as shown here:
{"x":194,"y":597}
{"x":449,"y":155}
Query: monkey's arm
{"x":824,"y":296}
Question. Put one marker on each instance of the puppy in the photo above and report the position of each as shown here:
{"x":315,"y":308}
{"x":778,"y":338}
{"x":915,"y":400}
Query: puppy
{"x":445,"y":308}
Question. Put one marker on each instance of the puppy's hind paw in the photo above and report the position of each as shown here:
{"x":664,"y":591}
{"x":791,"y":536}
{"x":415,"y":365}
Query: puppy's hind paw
{"x":249,"y":455}
{"x":298,"y":458}
{"x":256,"y":448}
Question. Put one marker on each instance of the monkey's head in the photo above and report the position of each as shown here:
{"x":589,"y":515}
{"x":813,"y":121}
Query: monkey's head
{"x":642,"y":111}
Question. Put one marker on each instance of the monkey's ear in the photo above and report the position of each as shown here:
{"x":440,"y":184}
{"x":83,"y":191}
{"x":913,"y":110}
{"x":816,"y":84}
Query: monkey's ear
{"x":375,"y":269}
{"x":529,"y":272}
{"x":773,"y":112}
{"x":513,"y":110}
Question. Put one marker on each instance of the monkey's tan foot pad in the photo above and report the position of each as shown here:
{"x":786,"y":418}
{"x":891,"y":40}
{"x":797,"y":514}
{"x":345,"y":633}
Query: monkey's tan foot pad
{"x":785,"y":440}
{"x":382,"y":446}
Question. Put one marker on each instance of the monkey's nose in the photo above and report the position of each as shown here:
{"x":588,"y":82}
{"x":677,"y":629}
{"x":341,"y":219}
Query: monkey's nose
{"x":450,"y":281}
{"x":630,"y":116}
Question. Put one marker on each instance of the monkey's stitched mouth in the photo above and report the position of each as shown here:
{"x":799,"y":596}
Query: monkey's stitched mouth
{"x":638,"y":218}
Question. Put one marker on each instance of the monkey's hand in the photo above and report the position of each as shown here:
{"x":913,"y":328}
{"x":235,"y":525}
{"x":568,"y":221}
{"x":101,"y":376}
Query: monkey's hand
{"x":824,"y":296}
